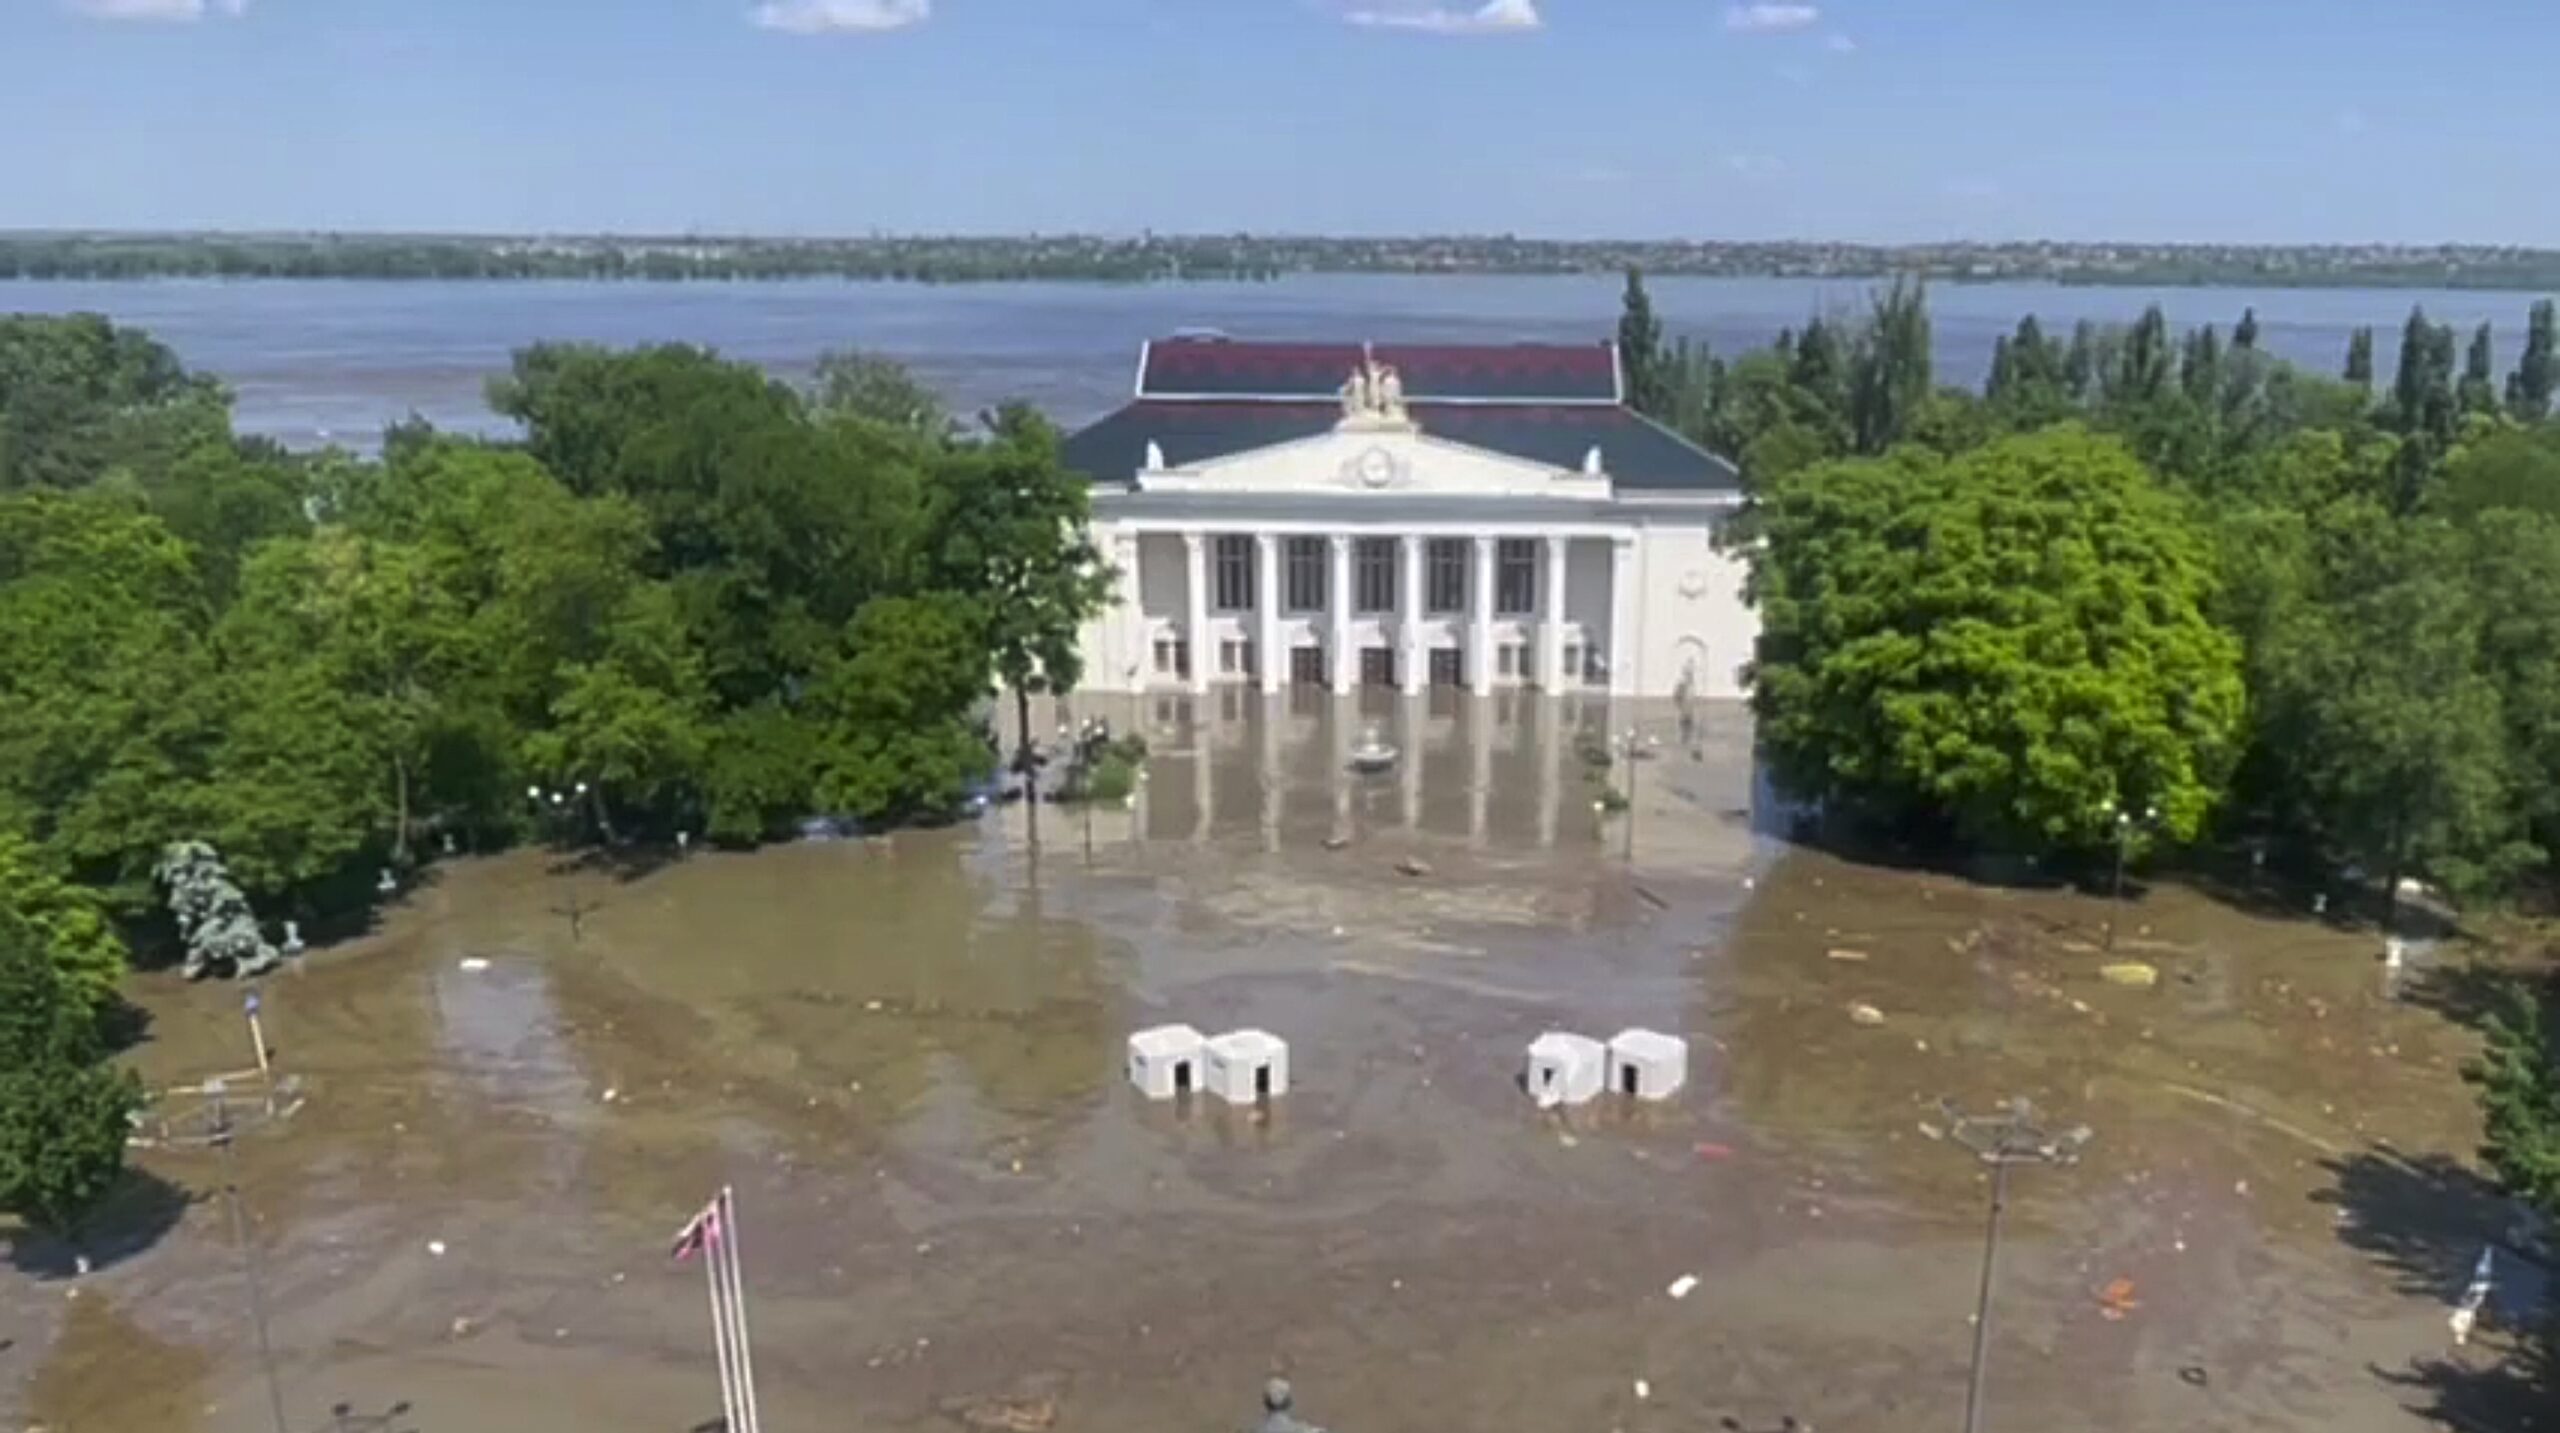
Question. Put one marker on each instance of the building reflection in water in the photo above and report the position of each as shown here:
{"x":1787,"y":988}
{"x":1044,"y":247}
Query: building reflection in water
{"x":1497,"y":771}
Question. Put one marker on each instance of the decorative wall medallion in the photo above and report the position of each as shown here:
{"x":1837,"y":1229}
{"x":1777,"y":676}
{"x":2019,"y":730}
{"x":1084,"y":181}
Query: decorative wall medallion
{"x":1693,"y":584}
{"x":1376,"y":468}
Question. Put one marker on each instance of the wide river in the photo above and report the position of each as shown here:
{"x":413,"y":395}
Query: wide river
{"x":320,"y":362}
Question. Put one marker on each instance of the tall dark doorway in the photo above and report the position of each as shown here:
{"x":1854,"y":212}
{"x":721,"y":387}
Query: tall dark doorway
{"x":1447,"y":667}
{"x":1377,"y":666}
{"x":1306,"y":666}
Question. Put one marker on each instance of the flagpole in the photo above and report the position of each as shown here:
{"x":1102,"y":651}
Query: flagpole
{"x":738,"y":1309}
{"x":720,"y":1332}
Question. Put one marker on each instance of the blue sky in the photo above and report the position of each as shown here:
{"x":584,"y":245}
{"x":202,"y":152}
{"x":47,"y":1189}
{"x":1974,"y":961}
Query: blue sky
{"x":2252,"y":120}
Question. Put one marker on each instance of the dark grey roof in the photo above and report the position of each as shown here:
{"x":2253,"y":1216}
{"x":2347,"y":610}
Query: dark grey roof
{"x":1637,"y":452}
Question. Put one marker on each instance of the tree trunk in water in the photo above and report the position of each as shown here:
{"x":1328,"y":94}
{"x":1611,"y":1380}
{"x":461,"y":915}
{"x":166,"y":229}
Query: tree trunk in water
{"x":1030,"y":771}
{"x":2391,"y":879}
{"x":400,"y":797}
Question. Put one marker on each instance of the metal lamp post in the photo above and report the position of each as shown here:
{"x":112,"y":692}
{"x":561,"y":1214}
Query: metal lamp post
{"x":554,"y":804}
{"x":223,"y":1139}
{"x":1091,"y":736}
{"x":2125,"y":822}
{"x":2000,"y":1140}
{"x":1627,"y":745}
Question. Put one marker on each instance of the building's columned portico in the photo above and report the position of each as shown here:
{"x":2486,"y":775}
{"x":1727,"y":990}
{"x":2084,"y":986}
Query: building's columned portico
{"x":1515,"y":526}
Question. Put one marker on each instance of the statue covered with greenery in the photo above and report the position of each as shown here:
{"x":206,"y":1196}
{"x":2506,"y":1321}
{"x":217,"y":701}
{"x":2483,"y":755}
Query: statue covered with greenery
{"x":214,"y":920}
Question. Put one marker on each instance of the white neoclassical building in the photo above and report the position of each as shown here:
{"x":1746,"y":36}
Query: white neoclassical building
{"x":1341,"y":515}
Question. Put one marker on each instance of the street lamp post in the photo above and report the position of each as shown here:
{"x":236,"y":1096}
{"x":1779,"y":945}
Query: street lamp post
{"x":1091,"y":736}
{"x":2001,"y":1140}
{"x":553,"y":803}
{"x":222,"y":1137}
{"x":1627,"y":748}
{"x":2125,"y":822}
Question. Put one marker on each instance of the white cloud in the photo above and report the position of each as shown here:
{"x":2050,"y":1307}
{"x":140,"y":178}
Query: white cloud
{"x":1756,"y":166}
{"x":840,"y":17}
{"x":167,"y":12}
{"x":1768,"y":17}
{"x":1838,"y":43}
{"x":1493,"y":17}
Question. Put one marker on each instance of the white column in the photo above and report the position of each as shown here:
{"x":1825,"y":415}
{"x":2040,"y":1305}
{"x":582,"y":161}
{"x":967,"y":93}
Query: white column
{"x":1137,"y":644}
{"x":1346,"y":662}
{"x":1409,"y":659}
{"x":1622,"y":616}
{"x":1269,"y":660}
{"x":1480,"y":617}
{"x":1195,"y":622}
{"x":1551,"y":675}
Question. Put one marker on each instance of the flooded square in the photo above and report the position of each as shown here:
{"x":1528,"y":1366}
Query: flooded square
{"x":905,"y":1053}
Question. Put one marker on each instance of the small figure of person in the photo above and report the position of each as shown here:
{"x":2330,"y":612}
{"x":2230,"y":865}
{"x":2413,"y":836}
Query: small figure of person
{"x":1278,"y":1410}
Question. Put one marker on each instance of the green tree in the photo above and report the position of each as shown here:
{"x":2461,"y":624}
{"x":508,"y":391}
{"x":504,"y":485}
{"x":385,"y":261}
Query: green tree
{"x":1818,"y":380}
{"x":2144,"y":371}
{"x":1641,"y":358}
{"x":2359,"y":369}
{"x":2030,"y":385}
{"x":2516,"y":470}
{"x":64,"y":1117}
{"x":70,"y":924}
{"x":897,"y":709}
{"x":2537,"y":374}
{"x":2244,"y":334}
{"x":75,"y":389}
{"x":2200,"y":365}
{"x":2518,"y":1076}
{"x":854,"y":384}
{"x":2080,"y":366}
{"x":1009,"y":531}
{"x":1889,"y":379}
{"x":2376,"y":686}
{"x":2000,"y":644}
{"x":104,"y":676}
{"x":2478,"y":390}
{"x":631,"y":723}
{"x":2516,"y":566}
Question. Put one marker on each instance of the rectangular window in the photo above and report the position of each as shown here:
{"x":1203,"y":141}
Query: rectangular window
{"x":1306,"y":574}
{"x":1515,"y":588}
{"x":1448,"y":575}
{"x":1377,"y":575}
{"x":1164,"y":658}
{"x":1235,"y":573}
{"x":1231,"y":659}
{"x":1572,"y":661}
{"x":1507,"y":660}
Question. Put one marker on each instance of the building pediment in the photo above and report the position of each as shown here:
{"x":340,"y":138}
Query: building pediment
{"x":1377,"y":458}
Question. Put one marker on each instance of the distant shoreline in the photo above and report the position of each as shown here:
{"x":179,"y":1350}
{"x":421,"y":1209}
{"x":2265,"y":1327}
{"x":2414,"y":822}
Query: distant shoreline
{"x":100,"y":257}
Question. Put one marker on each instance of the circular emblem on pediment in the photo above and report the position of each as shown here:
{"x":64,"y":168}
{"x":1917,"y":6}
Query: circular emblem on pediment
{"x":1375,"y":468}
{"x":1693,"y":584}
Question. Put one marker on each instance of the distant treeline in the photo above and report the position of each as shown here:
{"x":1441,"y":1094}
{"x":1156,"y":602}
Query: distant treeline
{"x":1152,"y":259}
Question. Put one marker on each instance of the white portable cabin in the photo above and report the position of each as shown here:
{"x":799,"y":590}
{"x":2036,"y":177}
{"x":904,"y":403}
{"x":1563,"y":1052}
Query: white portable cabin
{"x":1648,"y":1064}
{"x":1564,"y":1069}
{"x":1166,"y":1061}
{"x":1244,"y":1066}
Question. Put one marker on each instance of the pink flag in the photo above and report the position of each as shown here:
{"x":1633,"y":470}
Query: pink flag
{"x":699,"y":1233}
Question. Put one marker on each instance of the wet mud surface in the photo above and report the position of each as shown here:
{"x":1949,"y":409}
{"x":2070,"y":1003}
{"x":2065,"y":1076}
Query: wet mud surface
{"x":905,"y":1055}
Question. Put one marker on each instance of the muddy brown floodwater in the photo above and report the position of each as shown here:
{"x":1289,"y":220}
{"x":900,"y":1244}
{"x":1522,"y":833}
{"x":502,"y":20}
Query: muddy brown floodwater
{"x":905,"y":1055}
